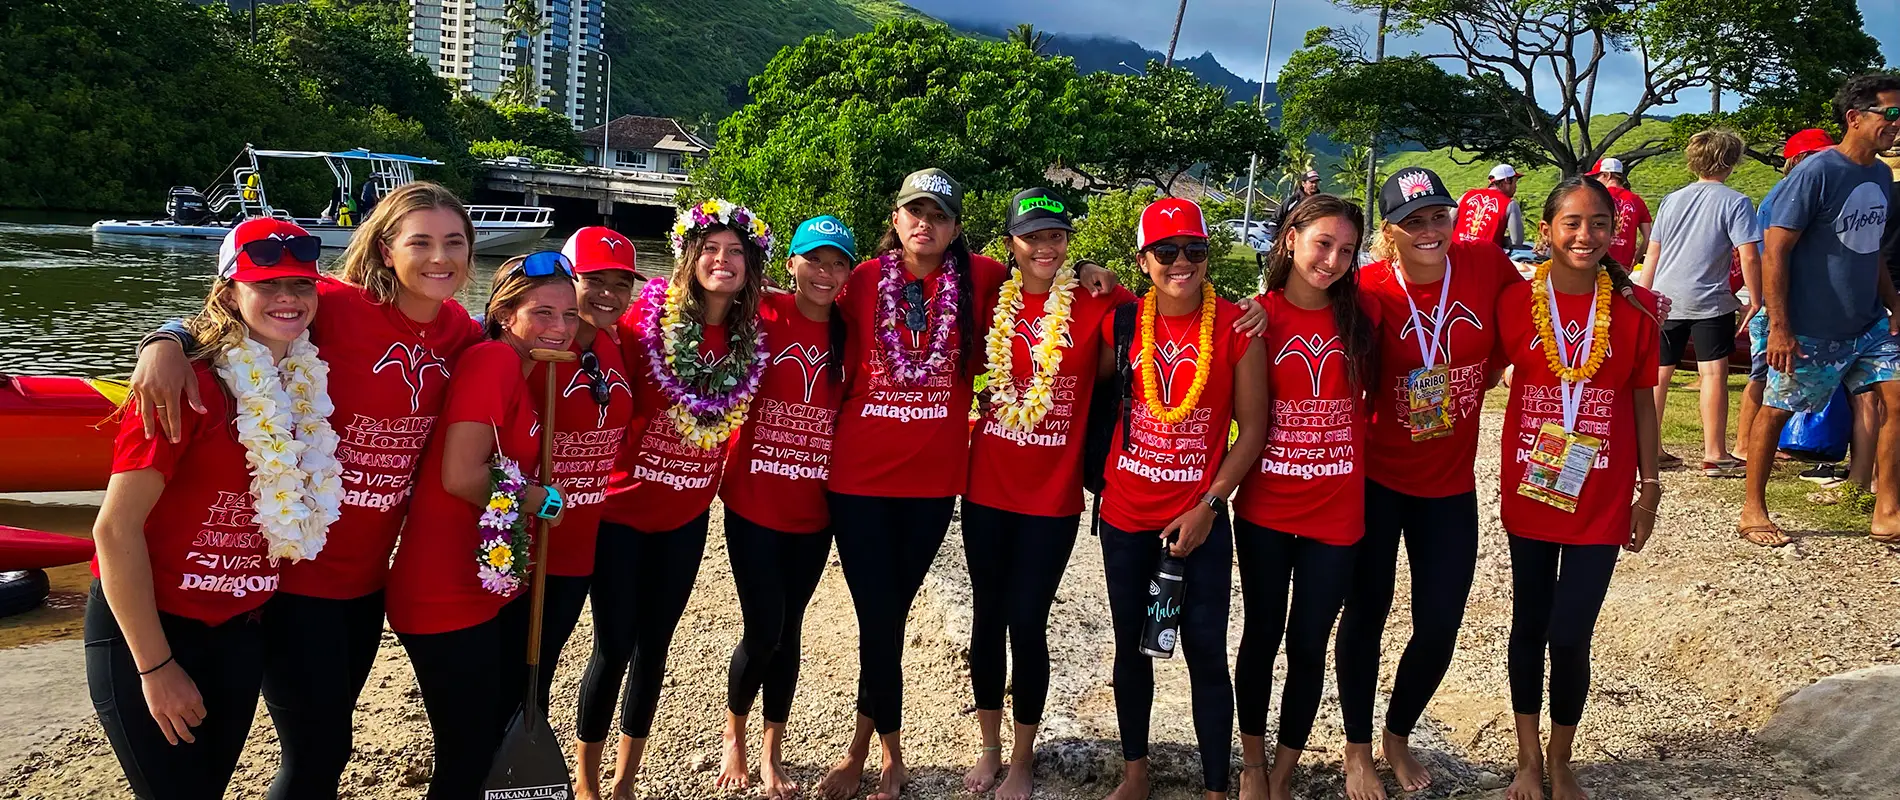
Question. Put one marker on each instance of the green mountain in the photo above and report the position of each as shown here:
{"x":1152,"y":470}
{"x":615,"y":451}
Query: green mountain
{"x":693,"y":63}
{"x":1652,"y":178}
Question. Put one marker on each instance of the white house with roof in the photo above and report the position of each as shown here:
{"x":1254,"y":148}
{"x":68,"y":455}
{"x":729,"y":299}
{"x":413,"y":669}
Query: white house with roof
{"x":651,"y":144}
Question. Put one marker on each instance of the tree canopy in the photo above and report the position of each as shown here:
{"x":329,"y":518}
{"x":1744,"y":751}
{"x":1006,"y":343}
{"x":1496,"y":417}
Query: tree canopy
{"x":1509,"y":62}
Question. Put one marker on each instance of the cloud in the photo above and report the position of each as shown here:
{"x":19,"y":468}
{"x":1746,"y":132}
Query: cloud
{"x":1235,"y":31}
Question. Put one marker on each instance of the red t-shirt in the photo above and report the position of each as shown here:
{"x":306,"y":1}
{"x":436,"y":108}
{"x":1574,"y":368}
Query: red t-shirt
{"x":906,"y":441}
{"x":1481,"y":216}
{"x":1439,"y":467}
{"x":1608,"y":412}
{"x":1041,"y":473}
{"x":1631,"y":211}
{"x":1311,"y":479}
{"x":208,"y":557}
{"x":587,"y":440}
{"x":780,"y":460}
{"x":661,"y":481}
{"x":1169,"y":468}
{"x":388,"y":377}
{"x":433,"y":586}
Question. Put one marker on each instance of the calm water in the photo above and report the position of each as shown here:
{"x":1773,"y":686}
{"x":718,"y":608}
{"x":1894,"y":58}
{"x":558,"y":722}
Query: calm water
{"x":72,"y":303}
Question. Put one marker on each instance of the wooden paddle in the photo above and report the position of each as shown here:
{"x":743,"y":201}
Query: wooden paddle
{"x":530,"y":765}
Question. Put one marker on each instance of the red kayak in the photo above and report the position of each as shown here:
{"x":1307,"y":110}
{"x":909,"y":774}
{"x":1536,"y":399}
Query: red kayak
{"x":56,"y":433}
{"x":22,"y":549}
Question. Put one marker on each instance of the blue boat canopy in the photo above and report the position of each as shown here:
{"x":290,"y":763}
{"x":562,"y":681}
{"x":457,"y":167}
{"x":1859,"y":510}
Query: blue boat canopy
{"x":358,"y":154}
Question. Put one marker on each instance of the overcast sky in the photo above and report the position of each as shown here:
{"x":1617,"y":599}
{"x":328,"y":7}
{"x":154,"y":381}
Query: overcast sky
{"x":1235,"y":31}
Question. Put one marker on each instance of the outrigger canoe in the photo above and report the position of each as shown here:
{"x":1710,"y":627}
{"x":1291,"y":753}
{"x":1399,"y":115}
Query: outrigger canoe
{"x":23,"y":549}
{"x":57,"y":433}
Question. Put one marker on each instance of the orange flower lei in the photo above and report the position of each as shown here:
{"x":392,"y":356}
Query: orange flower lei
{"x":1203,"y":365}
{"x":1600,"y":334}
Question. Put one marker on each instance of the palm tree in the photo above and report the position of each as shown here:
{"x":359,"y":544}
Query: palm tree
{"x":1176,"y":38}
{"x":523,"y":20}
{"x":1027,"y":36}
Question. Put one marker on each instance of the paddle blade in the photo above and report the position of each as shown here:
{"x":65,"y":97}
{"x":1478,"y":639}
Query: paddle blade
{"x":529,"y":765}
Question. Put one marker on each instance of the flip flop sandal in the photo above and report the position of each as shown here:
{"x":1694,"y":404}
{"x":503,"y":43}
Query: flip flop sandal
{"x":1725,"y":468}
{"x":1885,"y":538}
{"x":1668,"y":461}
{"x":1770,"y":528}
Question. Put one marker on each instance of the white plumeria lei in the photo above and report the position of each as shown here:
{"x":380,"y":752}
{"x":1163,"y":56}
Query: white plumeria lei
{"x":1024,"y":413}
{"x":283,"y":412}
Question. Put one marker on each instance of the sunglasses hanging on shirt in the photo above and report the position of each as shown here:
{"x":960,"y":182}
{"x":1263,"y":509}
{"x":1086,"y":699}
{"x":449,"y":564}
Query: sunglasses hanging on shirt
{"x":596,"y":381}
{"x":915,"y":316}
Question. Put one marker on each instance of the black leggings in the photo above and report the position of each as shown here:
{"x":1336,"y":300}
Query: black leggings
{"x":472,"y":681}
{"x":885,"y":545}
{"x":1130,"y":559}
{"x":317,"y":656}
{"x":1441,"y":542}
{"x":643,"y":583}
{"x":225,"y":661}
{"x":1271,"y":562}
{"x":560,"y":612}
{"x":1016,"y":562}
{"x":775,"y":573}
{"x":1556,"y":592}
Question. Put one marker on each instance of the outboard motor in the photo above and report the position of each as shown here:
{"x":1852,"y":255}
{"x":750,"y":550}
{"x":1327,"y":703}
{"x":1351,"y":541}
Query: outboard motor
{"x":186,"y":206}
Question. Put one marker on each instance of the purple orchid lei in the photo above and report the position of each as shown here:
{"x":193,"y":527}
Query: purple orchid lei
{"x":727,"y":391}
{"x":903,"y":370}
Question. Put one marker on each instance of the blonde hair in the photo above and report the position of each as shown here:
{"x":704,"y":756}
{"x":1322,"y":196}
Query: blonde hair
{"x":363,"y":263}
{"x":1713,"y":152}
{"x":1384,"y":247}
{"x":511,"y":285}
{"x":218,"y":327}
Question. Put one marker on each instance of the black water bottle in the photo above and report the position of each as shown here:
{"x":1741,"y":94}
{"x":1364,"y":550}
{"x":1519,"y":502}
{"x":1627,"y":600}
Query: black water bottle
{"x":1162,"y":628}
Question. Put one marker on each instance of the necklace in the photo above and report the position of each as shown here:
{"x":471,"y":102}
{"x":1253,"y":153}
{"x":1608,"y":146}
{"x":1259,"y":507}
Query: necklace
{"x":1023,"y":413}
{"x":1203,"y":361}
{"x":283,"y":412}
{"x":904,"y":370}
{"x":710,"y":401}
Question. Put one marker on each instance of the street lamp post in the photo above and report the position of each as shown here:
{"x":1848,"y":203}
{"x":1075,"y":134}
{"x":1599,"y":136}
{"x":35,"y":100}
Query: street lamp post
{"x":1124,"y":65}
{"x":606,"y":105}
{"x":1253,"y":162}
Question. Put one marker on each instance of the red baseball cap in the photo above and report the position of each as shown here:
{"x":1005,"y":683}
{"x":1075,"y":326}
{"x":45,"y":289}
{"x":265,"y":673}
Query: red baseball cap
{"x":1807,"y":141}
{"x":268,"y":248}
{"x":1167,"y":218}
{"x":596,"y":248}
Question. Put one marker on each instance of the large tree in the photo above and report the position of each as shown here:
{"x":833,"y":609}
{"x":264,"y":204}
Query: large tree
{"x":1163,"y":124}
{"x":1518,"y":79}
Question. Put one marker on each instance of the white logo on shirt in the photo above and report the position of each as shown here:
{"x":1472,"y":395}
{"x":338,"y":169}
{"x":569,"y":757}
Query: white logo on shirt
{"x":413,"y":362}
{"x":1863,"y":218}
{"x":810,"y":361}
{"x":614,"y":380}
{"x":1314,"y":353}
{"x":1172,"y":357}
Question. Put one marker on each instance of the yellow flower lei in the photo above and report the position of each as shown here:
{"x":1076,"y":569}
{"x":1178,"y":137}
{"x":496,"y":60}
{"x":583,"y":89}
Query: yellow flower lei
{"x":1203,"y":365}
{"x":1600,"y":334}
{"x":1022,"y":414}
{"x":705,"y":437}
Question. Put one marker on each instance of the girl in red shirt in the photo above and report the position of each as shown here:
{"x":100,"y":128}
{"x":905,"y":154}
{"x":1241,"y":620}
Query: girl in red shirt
{"x":778,"y":533}
{"x":1024,"y":498}
{"x":1439,"y":300}
{"x":592,"y":408}
{"x":457,"y":588}
{"x":190,"y":536}
{"x":1194,"y":375}
{"x":695,"y":337}
{"x":391,"y":332}
{"x":1302,"y":510}
{"x":1581,"y":422}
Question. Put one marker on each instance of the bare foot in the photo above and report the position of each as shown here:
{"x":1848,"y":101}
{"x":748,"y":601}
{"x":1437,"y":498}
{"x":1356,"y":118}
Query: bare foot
{"x":774,"y":782}
{"x":1133,"y":787}
{"x":1021,"y":781}
{"x":733,"y":772}
{"x":1253,"y":782}
{"x":1563,"y":782}
{"x":843,"y":779}
{"x":1280,"y":785}
{"x":1529,"y":784}
{"x":982,"y":777}
{"x":1411,"y":775}
{"x":1362,"y":776}
{"x":627,"y":790}
{"x":890,"y":784}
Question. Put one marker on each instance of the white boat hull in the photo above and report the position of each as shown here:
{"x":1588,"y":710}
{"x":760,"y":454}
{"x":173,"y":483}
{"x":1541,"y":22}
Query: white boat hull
{"x":488,"y":236}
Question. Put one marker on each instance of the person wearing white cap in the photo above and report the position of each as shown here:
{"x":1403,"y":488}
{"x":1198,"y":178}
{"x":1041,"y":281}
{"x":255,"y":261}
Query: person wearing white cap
{"x":1632,"y":213}
{"x":1491,"y":213}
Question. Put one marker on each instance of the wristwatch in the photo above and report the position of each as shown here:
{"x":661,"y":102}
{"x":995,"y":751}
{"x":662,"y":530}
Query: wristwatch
{"x":1216,"y":502}
{"x":551,"y":507}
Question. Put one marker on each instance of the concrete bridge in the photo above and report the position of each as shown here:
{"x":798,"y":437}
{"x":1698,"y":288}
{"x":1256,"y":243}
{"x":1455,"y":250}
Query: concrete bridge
{"x":604,"y":186}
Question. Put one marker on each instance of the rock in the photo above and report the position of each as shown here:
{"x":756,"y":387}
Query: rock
{"x":1843,"y":726}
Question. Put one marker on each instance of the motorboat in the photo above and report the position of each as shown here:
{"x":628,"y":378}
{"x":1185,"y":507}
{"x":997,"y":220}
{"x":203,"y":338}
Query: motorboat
{"x":210,"y":214}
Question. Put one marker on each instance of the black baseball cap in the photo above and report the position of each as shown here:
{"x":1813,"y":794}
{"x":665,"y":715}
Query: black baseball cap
{"x":1034,"y":210}
{"x":936,"y":185}
{"x":1411,"y":189}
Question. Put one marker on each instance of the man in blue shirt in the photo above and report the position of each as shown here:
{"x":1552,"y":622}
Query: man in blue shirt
{"x":1833,"y":314}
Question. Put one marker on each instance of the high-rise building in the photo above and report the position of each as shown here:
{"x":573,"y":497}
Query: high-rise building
{"x":469,"y":42}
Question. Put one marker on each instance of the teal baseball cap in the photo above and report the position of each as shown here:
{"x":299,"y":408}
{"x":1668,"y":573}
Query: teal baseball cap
{"x":823,"y":231}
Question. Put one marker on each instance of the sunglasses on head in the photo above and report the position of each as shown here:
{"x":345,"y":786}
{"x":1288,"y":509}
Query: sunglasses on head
{"x":596,"y":381}
{"x":545,"y":263}
{"x":1890,"y":113}
{"x":269,"y":252}
{"x":915,"y":317}
{"x":1167,"y":253}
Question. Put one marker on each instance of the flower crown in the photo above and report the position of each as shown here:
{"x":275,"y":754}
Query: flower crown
{"x":720,"y":212}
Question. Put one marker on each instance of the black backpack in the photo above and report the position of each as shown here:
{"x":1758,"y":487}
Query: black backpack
{"x":1108,"y":409}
